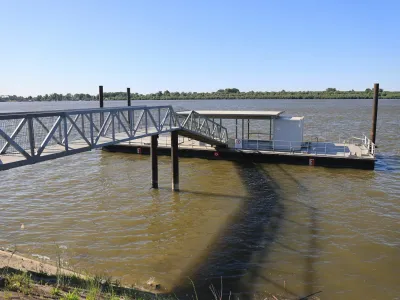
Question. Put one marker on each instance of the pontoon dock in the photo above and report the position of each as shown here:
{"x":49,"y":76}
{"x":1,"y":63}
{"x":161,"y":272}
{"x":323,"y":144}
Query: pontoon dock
{"x":262,"y":136}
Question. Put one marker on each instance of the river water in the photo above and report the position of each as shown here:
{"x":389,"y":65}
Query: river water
{"x":261,"y":227}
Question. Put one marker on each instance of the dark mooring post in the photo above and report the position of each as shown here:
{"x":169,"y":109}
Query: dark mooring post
{"x":154,"y":161}
{"x":375,"y":112}
{"x":128,"y":91}
{"x":175,"y":161}
{"x":101,"y":99}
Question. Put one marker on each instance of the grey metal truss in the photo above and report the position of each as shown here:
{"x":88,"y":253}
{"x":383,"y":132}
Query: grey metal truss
{"x":37,"y":136}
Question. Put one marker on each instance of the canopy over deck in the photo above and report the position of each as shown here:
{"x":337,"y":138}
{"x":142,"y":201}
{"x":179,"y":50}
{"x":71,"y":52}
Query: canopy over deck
{"x":236,"y":114}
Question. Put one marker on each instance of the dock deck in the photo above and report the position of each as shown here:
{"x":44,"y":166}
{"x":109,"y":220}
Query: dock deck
{"x":313,"y":153}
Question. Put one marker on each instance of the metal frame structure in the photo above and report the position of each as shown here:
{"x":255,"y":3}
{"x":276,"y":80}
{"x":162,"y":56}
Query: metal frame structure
{"x":197,"y":124}
{"x":38,"y":136}
{"x":365,"y":147}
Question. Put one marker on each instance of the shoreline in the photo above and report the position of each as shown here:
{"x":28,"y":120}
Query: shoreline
{"x":46,"y":276}
{"x":196,"y":99}
{"x":39,"y":280}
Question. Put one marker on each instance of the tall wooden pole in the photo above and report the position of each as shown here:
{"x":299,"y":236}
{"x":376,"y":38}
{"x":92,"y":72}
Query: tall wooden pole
{"x":175,"y":161}
{"x":154,"y":161}
{"x":128,"y":91}
{"x":101,"y":96}
{"x":101,"y":99}
{"x":375,"y":112}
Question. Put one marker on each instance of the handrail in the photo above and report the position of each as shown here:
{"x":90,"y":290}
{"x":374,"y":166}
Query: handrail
{"x":39,"y":136}
{"x":307,"y":147}
{"x":369,"y":145}
{"x":197,"y":123}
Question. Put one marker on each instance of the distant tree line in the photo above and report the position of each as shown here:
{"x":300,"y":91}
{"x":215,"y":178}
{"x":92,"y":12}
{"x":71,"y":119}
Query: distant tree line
{"x":230,"y":93}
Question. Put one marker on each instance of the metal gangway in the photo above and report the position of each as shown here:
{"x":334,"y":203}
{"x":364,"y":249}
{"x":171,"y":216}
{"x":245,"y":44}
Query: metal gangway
{"x":32,"y":137}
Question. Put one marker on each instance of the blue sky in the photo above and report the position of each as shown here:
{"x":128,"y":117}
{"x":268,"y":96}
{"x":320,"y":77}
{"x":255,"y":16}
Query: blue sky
{"x":187,"y":45}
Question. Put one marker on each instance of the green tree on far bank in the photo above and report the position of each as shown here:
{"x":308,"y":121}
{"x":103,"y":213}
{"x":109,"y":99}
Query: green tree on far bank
{"x":227,"y":93}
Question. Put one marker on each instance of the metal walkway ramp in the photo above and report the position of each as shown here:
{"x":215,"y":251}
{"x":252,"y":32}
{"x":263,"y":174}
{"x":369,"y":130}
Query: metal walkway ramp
{"x":28,"y":138}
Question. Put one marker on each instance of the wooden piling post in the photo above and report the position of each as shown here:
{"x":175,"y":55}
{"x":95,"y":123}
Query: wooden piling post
{"x":101,"y":96}
{"x":128,"y":91}
{"x":175,"y":161}
{"x":375,"y":112}
{"x":154,"y":161}
{"x":101,"y":99}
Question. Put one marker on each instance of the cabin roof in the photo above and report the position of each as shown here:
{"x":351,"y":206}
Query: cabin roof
{"x":236,"y":114}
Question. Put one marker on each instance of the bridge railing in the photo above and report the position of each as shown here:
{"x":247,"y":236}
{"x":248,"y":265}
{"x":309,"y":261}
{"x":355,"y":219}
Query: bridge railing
{"x":197,"y":123}
{"x":30,"y":134}
{"x":59,"y":133}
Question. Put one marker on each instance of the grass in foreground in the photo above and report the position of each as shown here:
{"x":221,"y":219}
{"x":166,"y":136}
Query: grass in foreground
{"x":30,"y":285}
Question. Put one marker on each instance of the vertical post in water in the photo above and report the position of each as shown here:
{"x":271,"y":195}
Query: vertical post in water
{"x":101,"y":99}
{"x":128,"y":91}
{"x":375,"y":112}
{"x":154,"y":161}
{"x":175,"y":162}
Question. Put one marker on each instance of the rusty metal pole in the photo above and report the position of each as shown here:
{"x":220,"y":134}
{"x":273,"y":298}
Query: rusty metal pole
{"x":375,"y":112}
{"x":101,"y":99}
{"x":154,"y":161}
{"x":175,"y":161}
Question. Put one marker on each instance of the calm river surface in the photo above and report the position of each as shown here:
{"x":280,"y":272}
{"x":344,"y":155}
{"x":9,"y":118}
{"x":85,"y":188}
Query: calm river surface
{"x":263,"y":228}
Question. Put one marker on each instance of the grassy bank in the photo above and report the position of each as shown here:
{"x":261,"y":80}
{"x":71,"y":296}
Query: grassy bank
{"x":23,"y":278}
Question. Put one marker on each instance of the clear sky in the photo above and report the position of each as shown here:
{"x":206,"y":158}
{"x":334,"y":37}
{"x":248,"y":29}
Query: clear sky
{"x":188,"y":45}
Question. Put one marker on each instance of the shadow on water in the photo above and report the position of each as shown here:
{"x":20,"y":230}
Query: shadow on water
{"x":387,"y":163}
{"x":312,"y":251}
{"x":237,"y":252}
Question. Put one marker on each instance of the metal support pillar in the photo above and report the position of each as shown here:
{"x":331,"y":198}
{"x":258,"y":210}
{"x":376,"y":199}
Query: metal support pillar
{"x":101,"y":99}
{"x":154,"y":161}
{"x":128,"y":91}
{"x":375,"y":112}
{"x":175,"y":161}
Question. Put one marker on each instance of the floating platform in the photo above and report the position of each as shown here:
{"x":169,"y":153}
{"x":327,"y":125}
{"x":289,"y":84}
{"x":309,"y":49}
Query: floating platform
{"x":335,"y":155}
